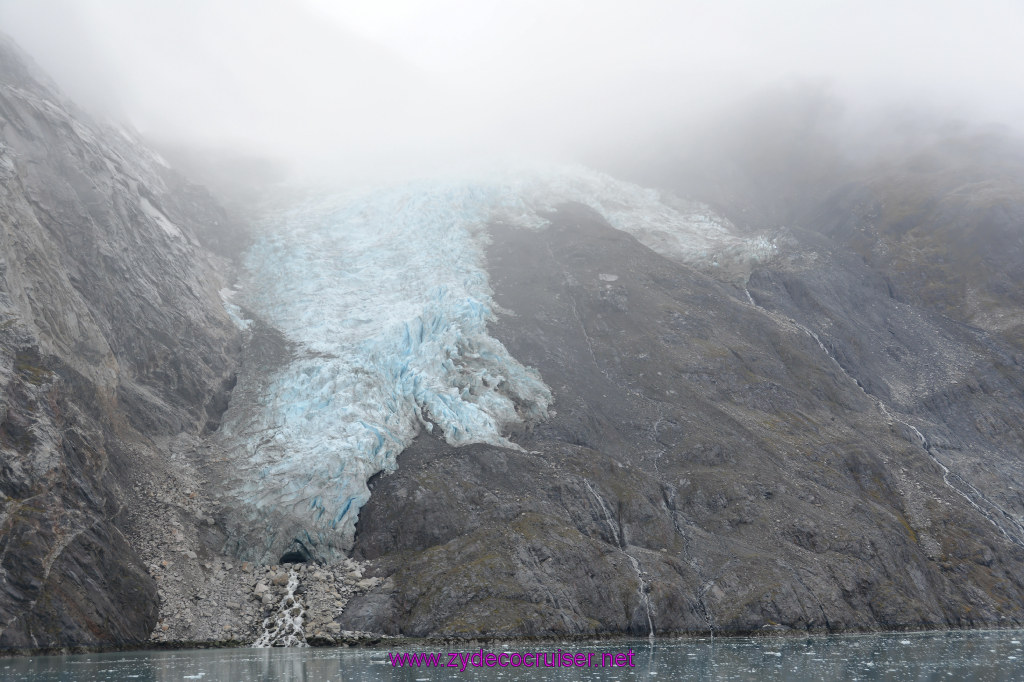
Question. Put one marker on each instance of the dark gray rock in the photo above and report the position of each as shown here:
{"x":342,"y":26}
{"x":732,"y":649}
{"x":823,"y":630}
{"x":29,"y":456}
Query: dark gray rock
{"x":709,"y":466}
{"x":112,"y":339}
{"x":829,"y":441}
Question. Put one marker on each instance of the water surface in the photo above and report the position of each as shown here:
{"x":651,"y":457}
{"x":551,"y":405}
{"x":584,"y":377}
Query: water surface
{"x":985,"y":656}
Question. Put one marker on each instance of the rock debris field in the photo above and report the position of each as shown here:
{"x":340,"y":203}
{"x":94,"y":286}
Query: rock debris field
{"x":237,"y":603}
{"x":209,"y":599}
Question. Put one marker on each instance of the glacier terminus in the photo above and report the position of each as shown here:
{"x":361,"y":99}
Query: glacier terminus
{"x":383,"y":298}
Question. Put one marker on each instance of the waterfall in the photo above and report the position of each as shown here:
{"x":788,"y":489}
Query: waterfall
{"x":284,"y":628}
{"x":620,"y":544}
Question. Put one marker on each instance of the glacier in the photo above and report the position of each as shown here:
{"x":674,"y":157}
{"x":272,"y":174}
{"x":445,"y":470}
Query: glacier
{"x":686,"y":231}
{"x":383,"y":296}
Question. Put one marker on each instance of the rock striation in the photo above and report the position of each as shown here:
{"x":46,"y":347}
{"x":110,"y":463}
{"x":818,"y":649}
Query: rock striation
{"x":113,"y":342}
{"x":789,"y":448}
{"x":821,"y":432}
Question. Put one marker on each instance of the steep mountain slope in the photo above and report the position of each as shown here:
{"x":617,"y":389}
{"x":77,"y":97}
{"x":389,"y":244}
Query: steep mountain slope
{"x":943,"y":225}
{"x":112,"y":339}
{"x":384,"y":301}
{"x":810,"y":453}
{"x":597,"y":408}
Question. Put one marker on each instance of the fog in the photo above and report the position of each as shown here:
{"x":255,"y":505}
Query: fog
{"x":365,"y":89}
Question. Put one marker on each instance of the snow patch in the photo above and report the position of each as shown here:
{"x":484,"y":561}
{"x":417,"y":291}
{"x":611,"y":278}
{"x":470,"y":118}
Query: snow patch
{"x":157,"y":216}
{"x":233,"y":310}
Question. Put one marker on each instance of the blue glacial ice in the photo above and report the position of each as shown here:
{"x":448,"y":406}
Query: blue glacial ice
{"x":384,"y":297}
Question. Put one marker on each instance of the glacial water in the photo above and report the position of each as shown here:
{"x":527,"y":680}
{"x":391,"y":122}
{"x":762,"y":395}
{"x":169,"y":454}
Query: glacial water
{"x":983,"y":656}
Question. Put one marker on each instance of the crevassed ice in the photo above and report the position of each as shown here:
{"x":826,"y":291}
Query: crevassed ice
{"x":386,"y":299}
{"x":686,"y":231}
{"x":384,"y":295}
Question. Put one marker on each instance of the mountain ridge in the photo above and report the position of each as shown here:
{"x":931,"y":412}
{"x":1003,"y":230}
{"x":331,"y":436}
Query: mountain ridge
{"x":113,"y":338}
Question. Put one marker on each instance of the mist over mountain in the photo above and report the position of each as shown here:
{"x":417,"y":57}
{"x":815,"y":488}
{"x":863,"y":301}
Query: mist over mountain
{"x":402,"y":88}
{"x":508,"y":320}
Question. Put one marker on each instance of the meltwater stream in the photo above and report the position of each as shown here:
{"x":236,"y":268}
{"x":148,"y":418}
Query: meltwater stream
{"x":384,"y":298}
{"x":285,"y":626}
{"x":969,"y":492}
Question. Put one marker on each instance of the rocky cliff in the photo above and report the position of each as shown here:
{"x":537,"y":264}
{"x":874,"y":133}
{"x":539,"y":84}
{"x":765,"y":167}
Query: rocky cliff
{"x":113,"y":340}
{"x":831,"y":440}
{"x":826,"y":435}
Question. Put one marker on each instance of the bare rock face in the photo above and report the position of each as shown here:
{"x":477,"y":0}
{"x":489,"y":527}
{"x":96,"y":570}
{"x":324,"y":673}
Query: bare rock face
{"x":112,"y":339}
{"x":808,"y":454}
{"x":827,"y":441}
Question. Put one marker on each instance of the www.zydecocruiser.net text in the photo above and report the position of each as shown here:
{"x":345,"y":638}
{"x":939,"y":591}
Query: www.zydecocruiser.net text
{"x":512,"y":659}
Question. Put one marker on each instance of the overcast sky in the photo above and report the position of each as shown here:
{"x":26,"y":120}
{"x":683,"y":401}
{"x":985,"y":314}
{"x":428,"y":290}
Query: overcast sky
{"x":381,"y":81}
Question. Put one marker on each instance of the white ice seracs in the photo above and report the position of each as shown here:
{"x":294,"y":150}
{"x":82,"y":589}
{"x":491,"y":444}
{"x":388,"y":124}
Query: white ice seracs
{"x":386,"y":300}
{"x":384,"y":295}
{"x":686,"y":231}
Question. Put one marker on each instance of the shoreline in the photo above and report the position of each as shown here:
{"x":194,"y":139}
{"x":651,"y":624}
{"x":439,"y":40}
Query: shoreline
{"x":374,"y":641}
